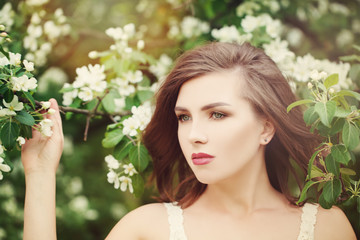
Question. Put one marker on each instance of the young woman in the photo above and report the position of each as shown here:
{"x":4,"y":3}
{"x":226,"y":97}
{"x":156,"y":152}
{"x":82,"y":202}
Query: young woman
{"x":221,"y":143}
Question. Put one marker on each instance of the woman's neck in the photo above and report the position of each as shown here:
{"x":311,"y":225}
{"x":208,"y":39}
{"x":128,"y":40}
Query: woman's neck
{"x":246,"y":192}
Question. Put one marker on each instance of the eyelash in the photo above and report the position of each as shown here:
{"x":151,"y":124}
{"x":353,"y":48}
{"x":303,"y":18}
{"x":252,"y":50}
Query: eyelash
{"x":212,"y":116}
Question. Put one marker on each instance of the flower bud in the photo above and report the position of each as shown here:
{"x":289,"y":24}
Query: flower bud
{"x":331,"y":90}
{"x":310,"y":86}
{"x":51,"y":111}
{"x":93,"y":54}
{"x":140,"y":44}
{"x":2,"y":27}
{"x":46,"y":105}
{"x":3,"y":34}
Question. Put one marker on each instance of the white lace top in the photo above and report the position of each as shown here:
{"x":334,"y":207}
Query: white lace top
{"x":176,"y":221}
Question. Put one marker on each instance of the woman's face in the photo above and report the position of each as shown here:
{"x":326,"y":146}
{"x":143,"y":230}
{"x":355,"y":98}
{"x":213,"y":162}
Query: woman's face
{"x":219,"y":132}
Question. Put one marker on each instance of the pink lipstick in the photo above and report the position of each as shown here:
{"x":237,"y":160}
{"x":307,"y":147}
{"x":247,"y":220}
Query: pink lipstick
{"x":201,"y":158}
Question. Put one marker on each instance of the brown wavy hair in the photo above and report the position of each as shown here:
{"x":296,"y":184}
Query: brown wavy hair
{"x":267,"y":91}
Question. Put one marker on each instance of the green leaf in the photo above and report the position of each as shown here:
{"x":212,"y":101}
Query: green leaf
{"x":316,"y":172}
{"x":3,"y":89}
{"x":108,"y":102}
{"x":26,"y":131}
{"x":9,"y":134}
{"x":350,"y":58}
{"x":357,"y":47}
{"x":348,"y":93}
{"x":332,"y":190}
{"x":331,"y":165}
{"x":112,"y":138}
{"x":139,"y":157}
{"x":310,"y":115}
{"x":6,"y":54}
{"x":311,"y":163}
{"x":304,"y":191}
{"x":8,"y":96}
{"x":122,"y":149}
{"x":138,"y":184}
{"x":331,"y":80}
{"x":347,"y":171}
{"x":144,"y":95}
{"x":29,"y":97}
{"x":324,"y":204}
{"x":350,"y":135}
{"x":298,"y":103}
{"x":25,"y":118}
{"x":341,"y":113}
{"x":337,"y":126}
{"x":340,"y":154}
{"x":326,"y":111}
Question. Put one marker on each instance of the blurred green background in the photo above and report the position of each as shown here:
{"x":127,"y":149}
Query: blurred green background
{"x":87,"y":205}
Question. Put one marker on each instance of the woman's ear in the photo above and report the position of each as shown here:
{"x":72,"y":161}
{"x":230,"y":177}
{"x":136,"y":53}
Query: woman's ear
{"x":268,"y":132}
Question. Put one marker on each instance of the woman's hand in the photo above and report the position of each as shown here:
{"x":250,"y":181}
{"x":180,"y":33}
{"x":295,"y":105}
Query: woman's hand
{"x":41,"y":154}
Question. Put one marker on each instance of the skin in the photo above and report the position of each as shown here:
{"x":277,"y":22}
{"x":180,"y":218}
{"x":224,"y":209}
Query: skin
{"x":239,"y":202}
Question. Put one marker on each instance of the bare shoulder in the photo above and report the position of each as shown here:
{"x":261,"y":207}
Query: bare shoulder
{"x":146,"y":222}
{"x":333,"y":224}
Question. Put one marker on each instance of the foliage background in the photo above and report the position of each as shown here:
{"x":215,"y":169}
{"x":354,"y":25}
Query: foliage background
{"x":88,"y":207}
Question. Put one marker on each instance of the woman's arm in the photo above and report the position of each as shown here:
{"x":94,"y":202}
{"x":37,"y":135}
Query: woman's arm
{"x":40,"y":157}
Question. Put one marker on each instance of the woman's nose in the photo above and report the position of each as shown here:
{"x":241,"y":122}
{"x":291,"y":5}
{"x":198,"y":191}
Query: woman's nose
{"x":197,"y":134}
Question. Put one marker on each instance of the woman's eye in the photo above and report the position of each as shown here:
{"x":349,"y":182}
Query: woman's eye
{"x":184,"y":118}
{"x":217,"y":115}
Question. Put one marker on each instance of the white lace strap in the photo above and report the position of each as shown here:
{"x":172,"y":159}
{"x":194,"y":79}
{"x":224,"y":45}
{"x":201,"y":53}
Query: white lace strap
{"x":176,"y":219}
{"x":308,"y":220}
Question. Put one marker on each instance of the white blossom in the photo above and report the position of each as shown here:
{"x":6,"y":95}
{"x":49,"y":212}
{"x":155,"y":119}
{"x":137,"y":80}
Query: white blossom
{"x":140,"y":44}
{"x":247,"y":8}
{"x":6,"y":112}
{"x":4,"y":61}
{"x":162,"y":66}
{"x":130,"y":126}
{"x":14,"y":105}
{"x":294,"y":37}
{"x":274,"y":28}
{"x":119,"y":104}
{"x":112,"y":163}
{"x":112,"y":177}
{"x":230,"y":34}
{"x":68,"y":97}
{"x":86,"y":94}
{"x":126,"y":182}
{"x":15,"y":58}
{"x":46,"y":105}
{"x":193,"y":27}
{"x":20,"y":140}
{"x":30,"y":43}
{"x":23,"y":83}
{"x":34,"y":31}
{"x":36,"y":2}
{"x":93,"y":54}
{"x":45,"y":127}
{"x":51,"y":111}
{"x":52,"y":30}
{"x":134,"y":77}
{"x":3,"y":167}
{"x":29,"y":66}
{"x":35,"y":18}
{"x":129,"y":169}
{"x":7,"y":15}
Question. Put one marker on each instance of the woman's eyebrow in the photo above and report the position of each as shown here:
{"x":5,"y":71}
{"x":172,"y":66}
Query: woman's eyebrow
{"x":206,"y":107}
{"x":212,"y":105}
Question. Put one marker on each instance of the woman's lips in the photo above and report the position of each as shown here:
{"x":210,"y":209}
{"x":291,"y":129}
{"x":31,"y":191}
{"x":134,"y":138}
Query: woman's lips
{"x":201,"y":158}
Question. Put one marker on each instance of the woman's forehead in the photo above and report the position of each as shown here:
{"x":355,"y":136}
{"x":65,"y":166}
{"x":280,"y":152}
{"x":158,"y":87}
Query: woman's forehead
{"x":217,"y":86}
